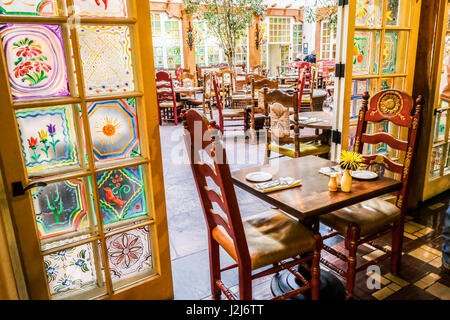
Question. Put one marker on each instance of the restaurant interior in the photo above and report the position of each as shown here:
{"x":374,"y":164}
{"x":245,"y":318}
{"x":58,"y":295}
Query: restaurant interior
{"x":225,"y":150}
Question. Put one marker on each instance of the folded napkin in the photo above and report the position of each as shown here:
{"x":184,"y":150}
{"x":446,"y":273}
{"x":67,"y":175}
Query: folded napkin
{"x":276,"y":185}
{"x":330,"y":170}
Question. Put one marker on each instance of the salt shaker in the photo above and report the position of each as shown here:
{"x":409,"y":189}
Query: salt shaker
{"x":333,"y":184}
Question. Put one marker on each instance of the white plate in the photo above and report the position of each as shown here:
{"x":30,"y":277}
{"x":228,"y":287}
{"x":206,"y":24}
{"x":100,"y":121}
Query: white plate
{"x":258,"y":176}
{"x":364,"y":175}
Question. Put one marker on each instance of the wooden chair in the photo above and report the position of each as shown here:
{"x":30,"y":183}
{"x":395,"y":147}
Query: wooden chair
{"x":257,"y":103}
{"x":225,"y":79}
{"x":280,"y":139}
{"x":258,"y":69}
{"x":189,"y":80}
{"x":229,"y":115}
{"x":208,"y":94}
{"x":368,"y":220}
{"x":267,"y":239}
{"x":168,"y":107}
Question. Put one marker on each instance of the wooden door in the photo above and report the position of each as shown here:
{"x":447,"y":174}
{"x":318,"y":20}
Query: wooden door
{"x":437,"y":173}
{"x":377,"y":43}
{"x":79,"y":124}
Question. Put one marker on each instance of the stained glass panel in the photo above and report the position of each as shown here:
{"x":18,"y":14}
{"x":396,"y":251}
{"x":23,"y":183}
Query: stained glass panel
{"x":48,"y":138}
{"x":362,"y":52}
{"x":60,"y":208}
{"x":392,"y":13}
{"x":368,"y":13}
{"x":106,"y":58}
{"x":129,"y":253}
{"x":437,"y":155}
{"x":121,"y":194}
{"x":441,"y":123}
{"x":70,"y":271}
{"x":114,"y":129}
{"x":101,"y":8}
{"x":389,"y":53}
{"x":28,"y":7}
{"x":35,"y":60}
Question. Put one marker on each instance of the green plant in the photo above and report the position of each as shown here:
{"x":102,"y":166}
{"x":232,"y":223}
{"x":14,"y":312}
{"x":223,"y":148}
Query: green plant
{"x":328,"y":12}
{"x":226,"y":20}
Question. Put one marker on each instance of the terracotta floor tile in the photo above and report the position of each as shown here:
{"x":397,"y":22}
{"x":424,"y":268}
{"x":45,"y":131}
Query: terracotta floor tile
{"x":432,"y":250}
{"x":437,"y":262}
{"x":396,"y":279}
{"x":393,"y":286}
{"x":427,"y":281}
{"x":422,"y":254}
{"x":373,"y":255}
{"x":411,"y":228}
{"x":383,"y":293}
{"x":439,"y":290}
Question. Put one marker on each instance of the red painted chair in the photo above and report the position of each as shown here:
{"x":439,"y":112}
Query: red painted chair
{"x":270,"y":238}
{"x":305,"y":67}
{"x":230,"y":116}
{"x":168,"y":107}
{"x":369,"y":220}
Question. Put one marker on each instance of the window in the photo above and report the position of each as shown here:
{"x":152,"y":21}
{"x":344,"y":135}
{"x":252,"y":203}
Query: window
{"x":327,"y":42}
{"x":297,"y":39}
{"x":279,"y":30}
{"x":167,"y":41}
{"x":242,"y":49}
{"x":263,"y":46}
{"x":207,"y":48}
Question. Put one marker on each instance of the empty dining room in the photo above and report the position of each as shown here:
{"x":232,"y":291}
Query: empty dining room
{"x":182,"y":152}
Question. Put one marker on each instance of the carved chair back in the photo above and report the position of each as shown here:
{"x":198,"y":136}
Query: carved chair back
{"x":187,"y":80}
{"x":256,"y":87}
{"x":395,"y":107}
{"x":202,"y":141}
{"x":164,"y":88}
{"x":305,"y":67}
{"x":219,"y":104}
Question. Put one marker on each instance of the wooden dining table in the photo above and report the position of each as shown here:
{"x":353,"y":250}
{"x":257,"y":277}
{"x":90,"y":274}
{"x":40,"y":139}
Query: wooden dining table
{"x":308,"y":202}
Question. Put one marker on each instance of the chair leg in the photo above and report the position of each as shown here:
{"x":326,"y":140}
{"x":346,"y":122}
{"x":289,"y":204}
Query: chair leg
{"x":175,"y":115}
{"x":267,"y":157}
{"x":397,"y":244}
{"x":245,"y":284}
{"x":353,"y":235}
{"x":214,"y":265}
{"x":315,"y":269}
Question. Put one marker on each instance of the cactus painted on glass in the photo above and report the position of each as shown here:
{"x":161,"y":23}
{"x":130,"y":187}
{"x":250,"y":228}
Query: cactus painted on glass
{"x":56,"y":206}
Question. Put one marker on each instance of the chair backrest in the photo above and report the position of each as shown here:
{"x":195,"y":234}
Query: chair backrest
{"x":241,"y":81}
{"x":306,"y":68}
{"x":164,"y":88}
{"x":219,"y":104}
{"x":207,"y":85}
{"x":187,"y":80}
{"x":259,"y":84}
{"x":395,"y":107}
{"x":301,"y":86}
{"x":202,"y":139}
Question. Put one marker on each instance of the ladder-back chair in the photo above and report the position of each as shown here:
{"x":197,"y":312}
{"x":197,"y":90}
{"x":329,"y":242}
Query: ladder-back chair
{"x":266,"y":239}
{"x":236,"y":117}
{"x":278,"y":106}
{"x":208,"y":94}
{"x":371,"y":219}
{"x":257,"y":102}
{"x":168,"y":107}
{"x":188,"y":80}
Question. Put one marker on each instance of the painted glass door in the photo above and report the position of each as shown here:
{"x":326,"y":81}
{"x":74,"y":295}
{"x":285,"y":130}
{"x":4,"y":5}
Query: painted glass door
{"x":380,"y":40}
{"x":438,"y":164}
{"x":79,"y":127}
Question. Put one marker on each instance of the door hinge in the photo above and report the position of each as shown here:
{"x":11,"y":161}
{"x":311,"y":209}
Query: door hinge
{"x":336,"y":137}
{"x":343,"y":3}
{"x":340,"y":70}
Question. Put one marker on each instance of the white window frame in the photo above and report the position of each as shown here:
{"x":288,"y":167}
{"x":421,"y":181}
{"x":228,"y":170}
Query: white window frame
{"x":332,"y":36}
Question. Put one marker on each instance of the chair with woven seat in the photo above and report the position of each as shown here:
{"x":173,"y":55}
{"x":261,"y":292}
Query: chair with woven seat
{"x":230,"y":116}
{"x":278,"y":106}
{"x":168,"y":107}
{"x":369,"y":220}
{"x":268,"y":239}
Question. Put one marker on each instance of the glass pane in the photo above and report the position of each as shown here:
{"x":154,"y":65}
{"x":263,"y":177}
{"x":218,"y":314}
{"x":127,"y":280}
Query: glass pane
{"x":28,"y":7}
{"x":389,"y":53}
{"x":106,"y":58}
{"x":362,"y":52}
{"x":392,"y":12}
{"x":436,"y":160}
{"x":121,"y":194}
{"x":35,"y":60}
{"x":48,"y":139}
{"x":368,"y":12}
{"x":358,"y":89}
{"x":130,"y":254}
{"x":100,"y":8}
{"x":71,"y":271}
{"x":60,"y":208}
{"x":114,"y":129}
{"x":441,"y":123}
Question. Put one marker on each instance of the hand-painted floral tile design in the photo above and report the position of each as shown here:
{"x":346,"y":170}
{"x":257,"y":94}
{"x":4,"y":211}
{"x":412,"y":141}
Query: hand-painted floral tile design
{"x":106,"y":58}
{"x":362,"y":52}
{"x":60,"y":208}
{"x":389,"y":53}
{"x":48,"y":138}
{"x":358,"y":89}
{"x":28,"y":7}
{"x":101,"y":8}
{"x":365,"y":11}
{"x":114,"y":129}
{"x":70,"y":270}
{"x":121,"y":194}
{"x":129,"y":253}
{"x":35,"y":60}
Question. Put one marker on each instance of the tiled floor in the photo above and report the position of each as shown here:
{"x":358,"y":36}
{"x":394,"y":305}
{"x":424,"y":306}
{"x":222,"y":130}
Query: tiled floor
{"x":420,"y":277}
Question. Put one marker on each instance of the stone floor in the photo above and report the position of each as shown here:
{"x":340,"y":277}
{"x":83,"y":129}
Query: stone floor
{"x":420,"y":278}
